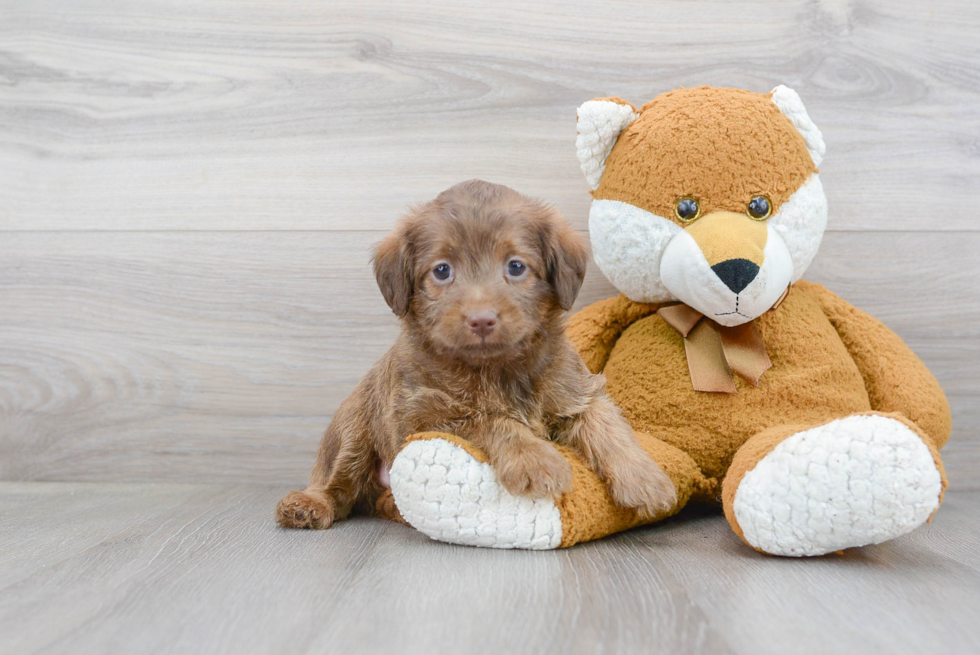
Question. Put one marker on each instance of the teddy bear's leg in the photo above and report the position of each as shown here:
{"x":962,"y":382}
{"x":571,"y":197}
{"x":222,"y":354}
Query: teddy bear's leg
{"x":444,"y":487}
{"x":810,"y":490}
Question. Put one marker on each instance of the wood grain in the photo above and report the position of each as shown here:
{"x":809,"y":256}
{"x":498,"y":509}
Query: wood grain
{"x":188,"y":194}
{"x":232,"y":115}
{"x":203,"y":569}
{"x":204,"y":356}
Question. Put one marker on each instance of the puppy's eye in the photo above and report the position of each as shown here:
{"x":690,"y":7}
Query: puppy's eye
{"x":442,"y":272}
{"x":759,"y":208}
{"x":687,"y":209}
{"x":516,"y":268}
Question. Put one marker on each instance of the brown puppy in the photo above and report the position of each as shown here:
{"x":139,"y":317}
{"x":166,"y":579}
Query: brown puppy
{"x":481,"y":278}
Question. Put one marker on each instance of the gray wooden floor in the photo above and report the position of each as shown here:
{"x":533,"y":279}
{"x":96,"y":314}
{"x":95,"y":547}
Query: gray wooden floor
{"x":189,"y":192}
{"x":153,"y":568}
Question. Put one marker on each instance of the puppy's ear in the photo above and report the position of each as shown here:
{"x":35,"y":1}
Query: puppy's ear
{"x":565,"y":257}
{"x":393,"y":267}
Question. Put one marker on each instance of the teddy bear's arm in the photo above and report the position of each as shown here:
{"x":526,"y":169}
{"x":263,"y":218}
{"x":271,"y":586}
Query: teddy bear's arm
{"x":595,"y":329}
{"x":895,"y":378}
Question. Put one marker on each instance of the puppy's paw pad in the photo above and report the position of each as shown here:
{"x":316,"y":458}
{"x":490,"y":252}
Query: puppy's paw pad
{"x":301,"y":510}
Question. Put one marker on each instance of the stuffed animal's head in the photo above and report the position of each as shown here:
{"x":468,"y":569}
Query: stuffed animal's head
{"x":709,"y":196}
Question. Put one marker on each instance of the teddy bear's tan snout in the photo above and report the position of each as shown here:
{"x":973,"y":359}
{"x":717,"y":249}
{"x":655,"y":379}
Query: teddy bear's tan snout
{"x":733,"y":245}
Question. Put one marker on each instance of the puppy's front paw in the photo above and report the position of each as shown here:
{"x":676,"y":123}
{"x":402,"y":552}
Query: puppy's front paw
{"x":536,"y":470}
{"x":301,"y":509}
{"x":643,"y":485}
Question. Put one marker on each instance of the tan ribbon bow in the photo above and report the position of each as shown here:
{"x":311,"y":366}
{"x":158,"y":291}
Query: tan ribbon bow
{"x":715,"y":351}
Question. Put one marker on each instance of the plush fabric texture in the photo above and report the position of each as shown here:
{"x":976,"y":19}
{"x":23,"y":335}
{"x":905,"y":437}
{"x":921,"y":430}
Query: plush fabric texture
{"x":859,"y":480}
{"x":696,"y":142}
{"x":791,"y":106}
{"x":599,"y":123}
{"x":830,"y":361}
{"x":838,"y":444}
{"x":686,"y":144}
{"x":894,"y":378}
{"x":444,"y":488}
{"x":691,"y":278}
{"x":628,"y":245}
{"x":596,"y":328}
{"x":588,"y":512}
{"x":812,"y":380}
{"x":801,"y":222}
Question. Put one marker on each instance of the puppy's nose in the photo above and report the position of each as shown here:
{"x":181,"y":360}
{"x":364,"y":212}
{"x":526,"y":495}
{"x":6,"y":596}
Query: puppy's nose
{"x":736,"y":273}
{"x":482,"y":322}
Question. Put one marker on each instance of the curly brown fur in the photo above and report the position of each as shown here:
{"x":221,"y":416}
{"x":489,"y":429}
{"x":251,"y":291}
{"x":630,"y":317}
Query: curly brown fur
{"x":483,"y":355}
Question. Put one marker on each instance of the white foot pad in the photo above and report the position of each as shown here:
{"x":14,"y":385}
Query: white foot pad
{"x":443,"y":492}
{"x":856,"y":481}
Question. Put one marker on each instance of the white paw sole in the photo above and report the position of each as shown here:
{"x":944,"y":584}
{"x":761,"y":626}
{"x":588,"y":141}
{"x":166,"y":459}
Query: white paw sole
{"x":443,"y":492}
{"x":852,"y":482}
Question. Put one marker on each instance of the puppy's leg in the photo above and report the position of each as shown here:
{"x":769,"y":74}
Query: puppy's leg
{"x":606,"y":441}
{"x":311,"y":508}
{"x":526,"y":464}
{"x":343,"y":468}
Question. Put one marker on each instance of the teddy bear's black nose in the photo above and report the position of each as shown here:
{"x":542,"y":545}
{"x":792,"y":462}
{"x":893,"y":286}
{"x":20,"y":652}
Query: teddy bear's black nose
{"x":736,"y":273}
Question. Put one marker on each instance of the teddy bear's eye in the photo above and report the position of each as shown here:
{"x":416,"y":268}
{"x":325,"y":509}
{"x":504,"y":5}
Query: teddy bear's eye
{"x":687,"y":209}
{"x":759,"y":208}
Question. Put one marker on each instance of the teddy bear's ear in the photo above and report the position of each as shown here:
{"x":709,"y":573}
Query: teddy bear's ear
{"x":600,"y":122}
{"x":792,"y":107}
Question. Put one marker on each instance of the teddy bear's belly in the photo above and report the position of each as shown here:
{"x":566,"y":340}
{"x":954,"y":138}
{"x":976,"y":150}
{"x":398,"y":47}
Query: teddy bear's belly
{"x":813,"y":380}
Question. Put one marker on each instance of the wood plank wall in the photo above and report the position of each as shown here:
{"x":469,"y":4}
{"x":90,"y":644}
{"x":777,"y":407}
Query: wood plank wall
{"x":189,"y":193}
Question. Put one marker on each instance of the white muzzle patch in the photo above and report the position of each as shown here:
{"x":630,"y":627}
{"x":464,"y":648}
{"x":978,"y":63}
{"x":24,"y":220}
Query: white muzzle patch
{"x":687,"y":275}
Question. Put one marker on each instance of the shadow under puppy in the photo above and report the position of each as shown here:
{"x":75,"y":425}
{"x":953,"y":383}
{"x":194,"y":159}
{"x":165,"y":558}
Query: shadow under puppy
{"x":481,"y":278}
